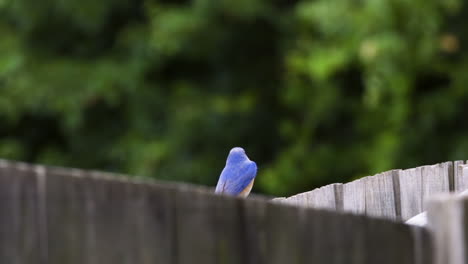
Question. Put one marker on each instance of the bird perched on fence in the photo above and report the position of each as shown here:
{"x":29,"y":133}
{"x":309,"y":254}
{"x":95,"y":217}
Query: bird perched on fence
{"x":237,"y":177}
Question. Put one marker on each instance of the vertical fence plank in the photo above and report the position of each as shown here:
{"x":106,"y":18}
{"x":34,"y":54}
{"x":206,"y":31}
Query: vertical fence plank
{"x":411,"y":192}
{"x":256,"y":231}
{"x":19,"y":236}
{"x":210,"y":228}
{"x":325,"y":197}
{"x":435,"y":180}
{"x":111,"y":221}
{"x":353,"y":228}
{"x":422,"y":245}
{"x":329,"y":197}
{"x":339,"y":238}
{"x":283,"y":231}
{"x":157,"y":226}
{"x":65,"y":217}
{"x":380,"y":196}
{"x":447,"y":220}
{"x":196,"y":235}
{"x":388,"y":243}
{"x":354,"y":196}
{"x":461,"y":176}
{"x":229,"y":227}
{"x":324,"y":238}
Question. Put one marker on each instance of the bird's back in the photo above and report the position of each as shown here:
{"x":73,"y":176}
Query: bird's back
{"x":235,"y":178}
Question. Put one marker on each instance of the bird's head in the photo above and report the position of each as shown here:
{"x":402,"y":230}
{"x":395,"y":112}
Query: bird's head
{"x":236,"y":155}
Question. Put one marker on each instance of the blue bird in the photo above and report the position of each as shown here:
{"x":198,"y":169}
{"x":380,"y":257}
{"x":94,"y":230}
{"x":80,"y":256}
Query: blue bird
{"x":238,"y":175}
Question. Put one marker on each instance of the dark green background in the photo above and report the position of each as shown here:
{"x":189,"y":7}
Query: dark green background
{"x":316,"y":91}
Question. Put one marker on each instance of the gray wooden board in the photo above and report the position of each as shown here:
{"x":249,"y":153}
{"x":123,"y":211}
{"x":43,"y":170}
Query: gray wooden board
{"x":463,"y":237}
{"x":255,"y":231}
{"x":411,"y":192}
{"x":19,"y":237}
{"x":380,"y":196}
{"x":300,"y":199}
{"x":422,"y":245}
{"x":119,"y":210}
{"x":227,"y":218}
{"x":283,"y":225}
{"x":349,"y":234}
{"x":458,"y":182}
{"x":323,"y":197}
{"x":354,"y":196}
{"x":447,"y":223}
{"x":329,"y":197}
{"x":388,"y":242}
{"x":196,"y":235}
{"x":336,"y":238}
{"x":111,"y":222}
{"x":157,"y":225}
{"x":435,"y":180}
{"x":461,"y":177}
{"x":65,"y":208}
{"x":324,"y":237}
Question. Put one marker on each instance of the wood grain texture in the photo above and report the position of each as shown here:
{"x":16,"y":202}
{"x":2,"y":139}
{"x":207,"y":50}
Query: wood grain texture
{"x":354,"y":196}
{"x":395,"y":194}
{"x":283,"y":230}
{"x":447,"y":221}
{"x":65,"y":214}
{"x":422,"y":245}
{"x":93,"y":219}
{"x":411,"y":192}
{"x":382,"y":239}
{"x":196,"y":235}
{"x":56,"y":215}
{"x":255,"y":231}
{"x":334,"y":239}
{"x":157,"y":225}
{"x":19,"y":231}
{"x":301,"y":199}
{"x":461,"y":176}
{"x":435,"y":180}
{"x":380,"y":195}
{"x":325,"y":197}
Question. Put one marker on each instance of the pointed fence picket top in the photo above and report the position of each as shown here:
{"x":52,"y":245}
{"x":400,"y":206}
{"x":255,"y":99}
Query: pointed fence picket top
{"x":57,"y":215}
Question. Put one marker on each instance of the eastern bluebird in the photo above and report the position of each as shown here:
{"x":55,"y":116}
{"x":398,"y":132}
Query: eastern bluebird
{"x":238,"y":175}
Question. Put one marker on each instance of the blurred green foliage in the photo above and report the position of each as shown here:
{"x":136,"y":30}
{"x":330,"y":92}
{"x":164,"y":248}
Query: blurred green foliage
{"x":316,"y":91}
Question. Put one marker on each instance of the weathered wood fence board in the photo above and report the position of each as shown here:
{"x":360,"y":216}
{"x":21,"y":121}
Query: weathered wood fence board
{"x":411,"y":192}
{"x":354,"y":198}
{"x":19,"y":230}
{"x":460,"y":177}
{"x":325,"y":197}
{"x":380,"y":195}
{"x":54,"y":215}
{"x":448,"y":221}
{"x":396,"y":194}
{"x":435,"y":180}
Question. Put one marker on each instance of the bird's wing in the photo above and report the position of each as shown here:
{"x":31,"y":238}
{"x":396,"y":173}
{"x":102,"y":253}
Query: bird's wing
{"x":234,"y":180}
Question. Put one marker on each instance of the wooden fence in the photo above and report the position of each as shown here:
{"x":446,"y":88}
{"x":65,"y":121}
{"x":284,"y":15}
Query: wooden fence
{"x":395,"y":194}
{"x":60,"y":216}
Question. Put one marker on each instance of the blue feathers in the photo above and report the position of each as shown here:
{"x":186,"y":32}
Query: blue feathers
{"x":238,"y":175}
